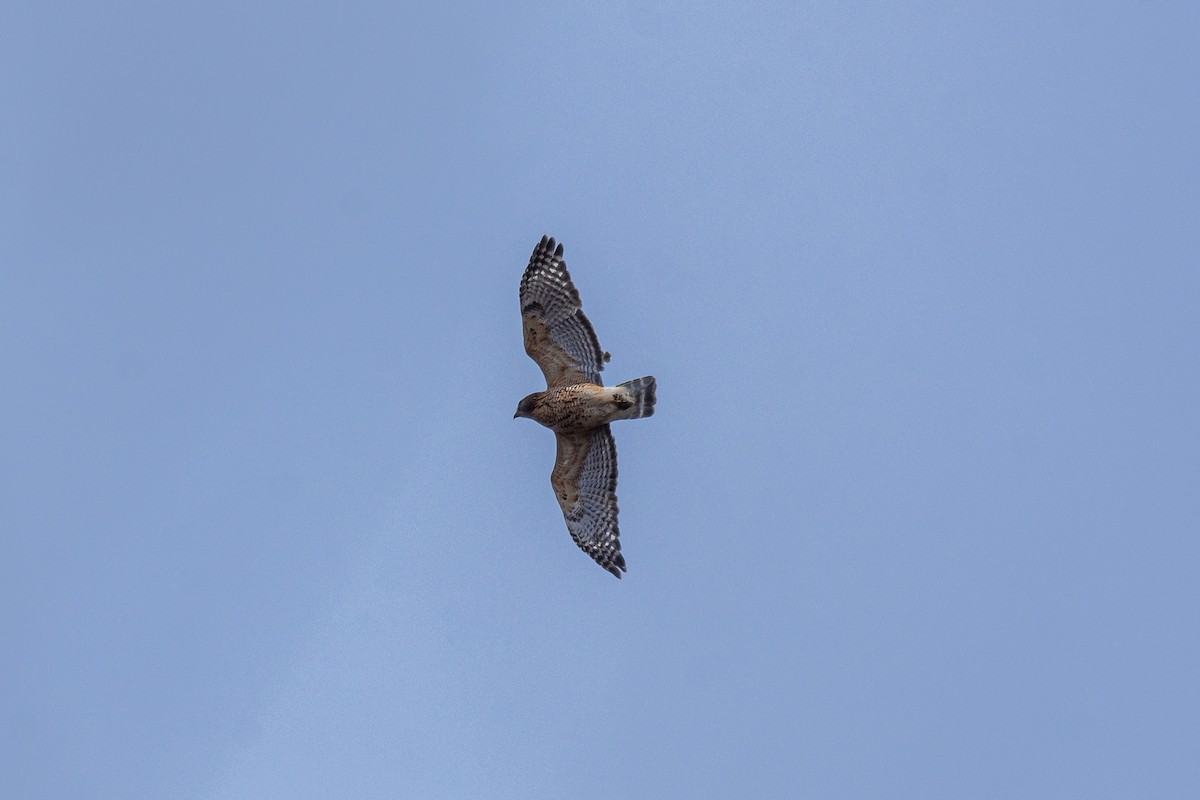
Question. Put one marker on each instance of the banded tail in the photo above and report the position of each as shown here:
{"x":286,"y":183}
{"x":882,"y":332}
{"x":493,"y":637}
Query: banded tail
{"x":641,"y":392}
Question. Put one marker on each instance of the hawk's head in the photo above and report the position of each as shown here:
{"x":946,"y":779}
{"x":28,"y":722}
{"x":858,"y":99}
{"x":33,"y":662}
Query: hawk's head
{"x":526,"y":406}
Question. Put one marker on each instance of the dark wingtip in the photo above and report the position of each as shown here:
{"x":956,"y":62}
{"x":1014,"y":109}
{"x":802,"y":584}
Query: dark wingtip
{"x":615,"y":565}
{"x":558,"y":251}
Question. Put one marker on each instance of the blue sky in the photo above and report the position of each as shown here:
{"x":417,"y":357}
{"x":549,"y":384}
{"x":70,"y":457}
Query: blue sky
{"x":917,"y":515}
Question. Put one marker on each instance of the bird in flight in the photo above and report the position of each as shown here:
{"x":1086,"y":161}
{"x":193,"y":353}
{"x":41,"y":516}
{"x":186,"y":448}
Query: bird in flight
{"x":576,"y":405}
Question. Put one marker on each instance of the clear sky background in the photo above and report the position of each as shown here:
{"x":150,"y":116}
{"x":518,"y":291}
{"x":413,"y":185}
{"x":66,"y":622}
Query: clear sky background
{"x":917,"y":515}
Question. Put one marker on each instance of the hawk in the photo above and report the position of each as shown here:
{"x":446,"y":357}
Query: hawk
{"x":576,"y":405}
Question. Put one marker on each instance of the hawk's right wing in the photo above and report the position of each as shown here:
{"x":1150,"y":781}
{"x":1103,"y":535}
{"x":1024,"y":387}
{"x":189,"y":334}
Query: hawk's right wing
{"x":557,"y":334}
{"x":585,"y":483}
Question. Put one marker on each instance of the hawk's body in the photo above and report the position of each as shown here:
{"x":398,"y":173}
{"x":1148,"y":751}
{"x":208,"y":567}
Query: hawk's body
{"x":582,"y":406}
{"x":576,"y":405}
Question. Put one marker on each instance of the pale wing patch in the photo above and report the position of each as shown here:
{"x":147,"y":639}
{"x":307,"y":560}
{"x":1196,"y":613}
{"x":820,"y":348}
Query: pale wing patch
{"x":558,"y":336}
{"x":559,"y":367}
{"x":585,"y":483}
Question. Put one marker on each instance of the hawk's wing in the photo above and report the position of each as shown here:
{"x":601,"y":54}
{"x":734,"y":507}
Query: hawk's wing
{"x":585,"y":482}
{"x":557,"y":334}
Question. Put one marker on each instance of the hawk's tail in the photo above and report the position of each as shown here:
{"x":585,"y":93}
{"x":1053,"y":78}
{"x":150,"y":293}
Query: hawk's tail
{"x":641,"y":391}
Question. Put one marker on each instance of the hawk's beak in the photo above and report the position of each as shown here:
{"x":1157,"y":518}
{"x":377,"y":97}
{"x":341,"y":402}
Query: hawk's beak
{"x":516,"y":415}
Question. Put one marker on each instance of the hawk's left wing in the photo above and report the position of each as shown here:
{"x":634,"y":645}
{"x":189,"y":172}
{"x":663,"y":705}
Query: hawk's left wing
{"x":585,"y":483}
{"x":557,"y":334}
